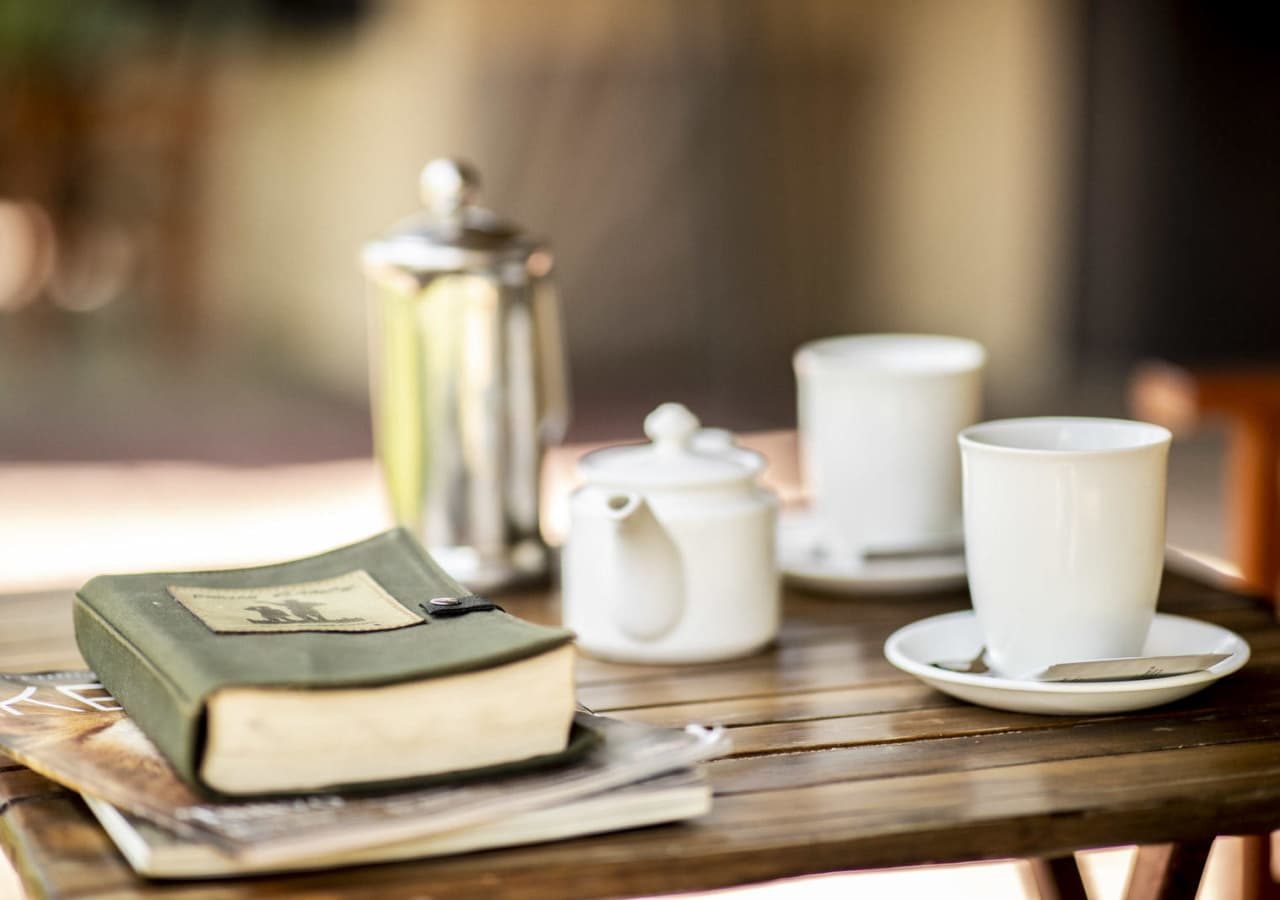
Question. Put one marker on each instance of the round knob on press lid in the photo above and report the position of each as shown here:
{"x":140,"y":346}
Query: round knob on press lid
{"x":671,"y":427}
{"x":448,"y":185}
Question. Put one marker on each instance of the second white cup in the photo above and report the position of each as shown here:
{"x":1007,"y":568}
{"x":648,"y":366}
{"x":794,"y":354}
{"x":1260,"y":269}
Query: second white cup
{"x":1064,"y":537}
{"x":878,"y":417}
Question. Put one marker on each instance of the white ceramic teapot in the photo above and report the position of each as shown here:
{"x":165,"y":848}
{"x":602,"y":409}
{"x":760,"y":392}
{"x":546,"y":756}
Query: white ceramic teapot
{"x":670,"y":556}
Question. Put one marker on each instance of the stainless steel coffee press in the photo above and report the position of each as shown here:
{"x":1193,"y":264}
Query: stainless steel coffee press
{"x":468,"y":379}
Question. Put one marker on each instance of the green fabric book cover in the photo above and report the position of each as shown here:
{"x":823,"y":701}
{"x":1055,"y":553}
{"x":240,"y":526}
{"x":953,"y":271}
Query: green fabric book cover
{"x":371,"y":615}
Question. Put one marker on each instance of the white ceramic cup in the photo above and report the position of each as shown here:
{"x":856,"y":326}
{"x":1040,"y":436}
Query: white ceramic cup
{"x":1064,"y":537}
{"x":878,"y":417}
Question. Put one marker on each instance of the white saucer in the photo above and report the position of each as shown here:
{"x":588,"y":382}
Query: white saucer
{"x":957,"y":636}
{"x":806,"y":565}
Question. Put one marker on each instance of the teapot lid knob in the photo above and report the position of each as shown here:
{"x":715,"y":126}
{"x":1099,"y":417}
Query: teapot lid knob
{"x":682,"y":454}
{"x":714,"y":440}
{"x":448,"y":185}
{"x":671,"y":427}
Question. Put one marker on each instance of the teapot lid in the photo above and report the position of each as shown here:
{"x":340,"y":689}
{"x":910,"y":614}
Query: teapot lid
{"x":452,"y":232}
{"x":681,"y":455}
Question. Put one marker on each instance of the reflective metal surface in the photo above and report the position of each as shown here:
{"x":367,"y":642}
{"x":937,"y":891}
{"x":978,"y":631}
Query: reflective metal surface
{"x":468,"y":380}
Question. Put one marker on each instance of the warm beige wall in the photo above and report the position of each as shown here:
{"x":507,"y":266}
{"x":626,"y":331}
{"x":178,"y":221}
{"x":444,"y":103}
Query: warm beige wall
{"x":315,"y":152}
{"x":971,"y":158}
{"x":963,"y":124}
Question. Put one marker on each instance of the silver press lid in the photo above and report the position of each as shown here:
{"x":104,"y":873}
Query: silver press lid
{"x":453,"y":234}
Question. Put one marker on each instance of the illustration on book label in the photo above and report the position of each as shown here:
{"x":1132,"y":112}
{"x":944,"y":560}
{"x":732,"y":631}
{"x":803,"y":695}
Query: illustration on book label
{"x":350,"y":602}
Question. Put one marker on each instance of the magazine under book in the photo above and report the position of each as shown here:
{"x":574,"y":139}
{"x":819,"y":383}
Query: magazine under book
{"x":65,"y":726}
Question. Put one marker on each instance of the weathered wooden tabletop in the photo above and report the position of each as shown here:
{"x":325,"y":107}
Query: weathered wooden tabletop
{"x":840,"y":762}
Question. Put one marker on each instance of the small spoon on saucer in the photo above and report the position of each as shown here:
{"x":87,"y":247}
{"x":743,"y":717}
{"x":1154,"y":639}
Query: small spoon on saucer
{"x":975,"y":666}
{"x":924,"y":551}
{"x":1127,"y":668}
{"x":823,"y":552}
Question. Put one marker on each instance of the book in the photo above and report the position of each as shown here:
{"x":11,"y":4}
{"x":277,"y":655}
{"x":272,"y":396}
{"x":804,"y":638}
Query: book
{"x":157,"y":853}
{"x":66,"y":727}
{"x":239,"y":676}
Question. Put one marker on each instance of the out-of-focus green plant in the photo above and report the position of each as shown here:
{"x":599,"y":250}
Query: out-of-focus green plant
{"x":68,"y":33}
{"x":77,"y":33}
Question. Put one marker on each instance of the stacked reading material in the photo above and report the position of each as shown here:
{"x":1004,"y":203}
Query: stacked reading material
{"x":402,"y":716}
{"x":64,"y":726}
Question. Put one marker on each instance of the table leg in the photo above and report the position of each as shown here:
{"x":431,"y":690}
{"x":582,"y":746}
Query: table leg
{"x":1056,"y":878}
{"x":1257,"y":882}
{"x":1168,"y":871}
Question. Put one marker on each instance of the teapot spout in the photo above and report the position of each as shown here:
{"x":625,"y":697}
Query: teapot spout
{"x":647,"y":572}
{"x":622,"y":506}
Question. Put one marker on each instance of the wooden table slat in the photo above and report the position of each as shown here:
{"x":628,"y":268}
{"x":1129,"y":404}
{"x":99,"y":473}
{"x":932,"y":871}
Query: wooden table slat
{"x":1104,"y":739}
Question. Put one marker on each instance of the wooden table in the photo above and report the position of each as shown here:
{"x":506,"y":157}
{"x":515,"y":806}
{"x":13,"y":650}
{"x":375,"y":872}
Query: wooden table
{"x":840,"y":762}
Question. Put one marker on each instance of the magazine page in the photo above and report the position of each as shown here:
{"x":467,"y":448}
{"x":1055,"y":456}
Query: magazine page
{"x":66,"y":727}
{"x":158,"y":853}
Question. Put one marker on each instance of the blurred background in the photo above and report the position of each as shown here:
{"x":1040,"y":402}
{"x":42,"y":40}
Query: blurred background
{"x":185,"y":188}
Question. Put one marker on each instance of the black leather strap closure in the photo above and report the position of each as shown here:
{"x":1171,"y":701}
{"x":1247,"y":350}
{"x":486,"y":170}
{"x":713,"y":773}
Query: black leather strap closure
{"x":451,"y":607}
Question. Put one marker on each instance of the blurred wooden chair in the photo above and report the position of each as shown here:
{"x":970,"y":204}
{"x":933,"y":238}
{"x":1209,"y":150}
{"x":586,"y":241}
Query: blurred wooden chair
{"x":1247,"y":401}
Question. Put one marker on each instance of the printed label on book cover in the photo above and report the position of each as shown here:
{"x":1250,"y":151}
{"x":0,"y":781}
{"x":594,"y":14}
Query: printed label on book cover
{"x":350,"y":602}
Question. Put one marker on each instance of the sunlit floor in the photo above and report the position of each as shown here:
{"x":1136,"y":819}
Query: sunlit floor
{"x":1105,"y":873}
{"x":1105,"y":870}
